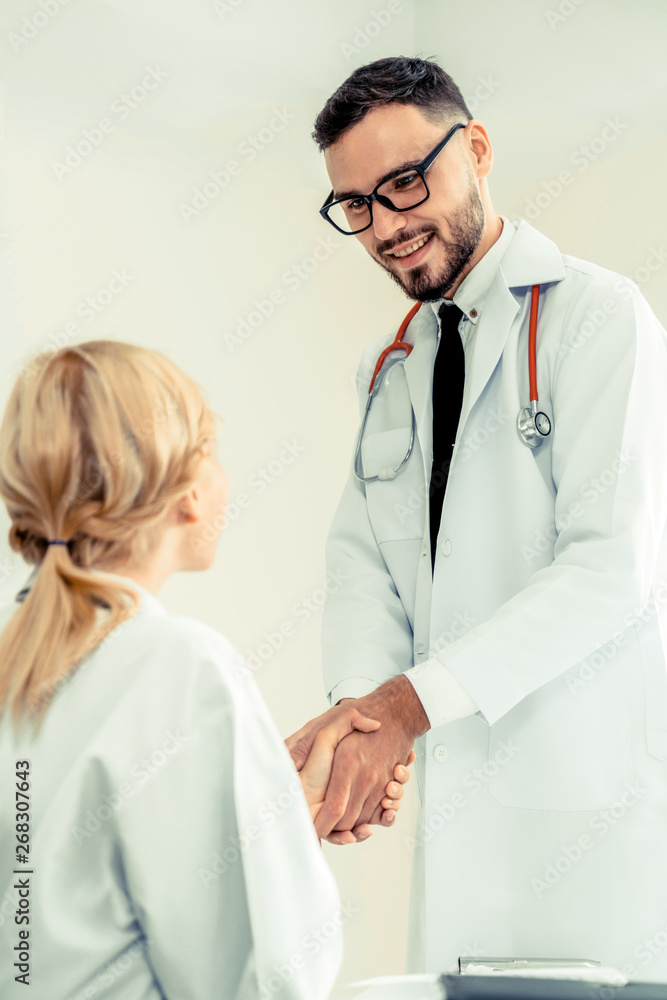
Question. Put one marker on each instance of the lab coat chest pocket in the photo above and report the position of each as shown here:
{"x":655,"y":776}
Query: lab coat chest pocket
{"x":396,"y":507}
{"x":567,"y":745}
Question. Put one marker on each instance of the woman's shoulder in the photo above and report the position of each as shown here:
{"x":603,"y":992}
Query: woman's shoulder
{"x":177,"y":643}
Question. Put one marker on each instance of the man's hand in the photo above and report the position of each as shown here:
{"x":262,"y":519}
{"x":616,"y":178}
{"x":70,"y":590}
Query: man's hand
{"x":316,"y":772}
{"x":364,"y":763}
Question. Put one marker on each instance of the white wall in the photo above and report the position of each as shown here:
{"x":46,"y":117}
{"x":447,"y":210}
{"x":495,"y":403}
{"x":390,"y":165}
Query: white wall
{"x":544,"y":87}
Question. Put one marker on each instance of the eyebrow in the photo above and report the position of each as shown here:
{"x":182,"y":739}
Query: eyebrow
{"x":387,"y":177}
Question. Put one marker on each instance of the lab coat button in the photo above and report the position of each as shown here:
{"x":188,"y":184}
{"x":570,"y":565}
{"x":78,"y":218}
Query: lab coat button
{"x":441,"y":752}
{"x":446,"y":547}
{"x":441,"y":645}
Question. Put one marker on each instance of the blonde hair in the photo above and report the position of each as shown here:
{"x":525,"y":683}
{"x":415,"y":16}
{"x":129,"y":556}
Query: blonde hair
{"x":96,"y":442}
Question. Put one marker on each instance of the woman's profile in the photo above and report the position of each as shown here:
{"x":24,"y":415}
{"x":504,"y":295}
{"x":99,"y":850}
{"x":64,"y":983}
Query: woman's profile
{"x":156,"y":840}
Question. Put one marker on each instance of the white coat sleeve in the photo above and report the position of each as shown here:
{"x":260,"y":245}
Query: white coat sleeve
{"x":367,"y":637}
{"x":218,"y":851}
{"x":610,"y":429}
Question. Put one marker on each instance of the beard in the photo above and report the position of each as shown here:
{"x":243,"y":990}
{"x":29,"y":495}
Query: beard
{"x":466,"y":228}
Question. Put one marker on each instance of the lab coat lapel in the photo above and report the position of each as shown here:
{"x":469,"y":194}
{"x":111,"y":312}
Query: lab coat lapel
{"x":531,"y":258}
{"x":423,"y":335}
{"x":491,"y":334}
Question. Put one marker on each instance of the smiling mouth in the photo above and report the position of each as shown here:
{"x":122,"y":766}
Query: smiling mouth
{"x":408,"y":251}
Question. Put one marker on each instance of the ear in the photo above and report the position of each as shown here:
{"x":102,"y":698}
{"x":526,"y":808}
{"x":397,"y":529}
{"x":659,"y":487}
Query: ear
{"x":481,"y":147}
{"x":188,"y":507}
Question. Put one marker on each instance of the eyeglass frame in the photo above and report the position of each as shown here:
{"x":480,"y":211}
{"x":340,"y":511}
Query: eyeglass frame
{"x":419,"y":168}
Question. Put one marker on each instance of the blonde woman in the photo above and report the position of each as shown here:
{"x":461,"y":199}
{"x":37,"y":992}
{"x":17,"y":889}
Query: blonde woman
{"x":156,"y":840}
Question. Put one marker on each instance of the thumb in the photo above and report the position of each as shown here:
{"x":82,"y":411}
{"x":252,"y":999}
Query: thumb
{"x":299,"y":746}
{"x":364,"y":724}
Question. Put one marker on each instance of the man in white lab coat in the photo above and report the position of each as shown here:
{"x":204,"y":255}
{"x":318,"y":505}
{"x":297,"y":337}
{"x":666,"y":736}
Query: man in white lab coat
{"x":526,"y":658}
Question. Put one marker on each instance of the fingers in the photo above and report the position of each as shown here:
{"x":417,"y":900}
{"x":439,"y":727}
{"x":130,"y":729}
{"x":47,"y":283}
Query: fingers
{"x":362,"y":832}
{"x":357,"y":835}
{"x":340,"y":722}
{"x":341,"y":838}
{"x":335,"y":804}
{"x":388,"y":817}
{"x":394,"y":790}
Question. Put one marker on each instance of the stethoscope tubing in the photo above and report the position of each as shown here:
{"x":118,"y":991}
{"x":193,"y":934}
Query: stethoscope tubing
{"x":532,"y":424}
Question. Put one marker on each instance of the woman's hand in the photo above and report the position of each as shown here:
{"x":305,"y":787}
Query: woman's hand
{"x":316,"y":771}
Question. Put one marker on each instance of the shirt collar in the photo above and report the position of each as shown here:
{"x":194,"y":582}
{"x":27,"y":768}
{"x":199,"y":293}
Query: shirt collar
{"x":471,"y":293}
{"x":148,"y":602}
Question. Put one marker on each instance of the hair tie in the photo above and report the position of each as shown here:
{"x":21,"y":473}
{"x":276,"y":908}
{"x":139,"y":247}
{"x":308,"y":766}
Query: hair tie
{"x":57,"y":541}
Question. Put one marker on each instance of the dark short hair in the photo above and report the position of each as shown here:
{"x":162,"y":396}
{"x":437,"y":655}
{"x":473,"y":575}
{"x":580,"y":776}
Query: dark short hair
{"x":396,"y":80}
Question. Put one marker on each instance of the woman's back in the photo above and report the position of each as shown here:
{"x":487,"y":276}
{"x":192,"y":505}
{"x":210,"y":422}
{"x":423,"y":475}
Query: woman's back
{"x":169,"y":835}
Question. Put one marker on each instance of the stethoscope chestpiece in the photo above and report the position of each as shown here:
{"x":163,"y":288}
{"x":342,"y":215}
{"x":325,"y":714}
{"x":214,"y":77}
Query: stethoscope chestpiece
{"x":533,"y":426}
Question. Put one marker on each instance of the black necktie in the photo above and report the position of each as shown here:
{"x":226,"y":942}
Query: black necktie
{"x":448,"y":379}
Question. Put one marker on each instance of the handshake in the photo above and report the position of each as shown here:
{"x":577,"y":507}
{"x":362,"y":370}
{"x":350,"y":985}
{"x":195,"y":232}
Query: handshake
{"x":353,"y":760}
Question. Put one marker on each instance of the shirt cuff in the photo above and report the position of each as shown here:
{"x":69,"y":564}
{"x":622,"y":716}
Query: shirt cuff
{"x":443,"y":697}
{"x":353,"y":687}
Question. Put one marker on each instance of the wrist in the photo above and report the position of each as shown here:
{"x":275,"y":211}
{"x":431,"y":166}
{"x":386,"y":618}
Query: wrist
{"x":398,"y":696}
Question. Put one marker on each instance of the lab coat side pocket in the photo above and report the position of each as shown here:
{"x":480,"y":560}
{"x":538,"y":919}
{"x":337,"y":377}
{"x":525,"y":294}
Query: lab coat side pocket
{"x":567,"y":745}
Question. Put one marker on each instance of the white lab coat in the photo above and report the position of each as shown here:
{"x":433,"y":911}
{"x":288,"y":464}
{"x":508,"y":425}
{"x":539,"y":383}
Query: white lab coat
{"x":543,"y":817}
{"x":173,"y":852}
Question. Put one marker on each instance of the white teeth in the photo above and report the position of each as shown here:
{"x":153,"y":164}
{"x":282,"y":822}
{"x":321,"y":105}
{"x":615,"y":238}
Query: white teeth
{"x":415,"y":246}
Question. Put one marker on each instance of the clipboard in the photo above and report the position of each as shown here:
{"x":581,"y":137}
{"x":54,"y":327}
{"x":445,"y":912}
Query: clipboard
{"x":458,"y":987}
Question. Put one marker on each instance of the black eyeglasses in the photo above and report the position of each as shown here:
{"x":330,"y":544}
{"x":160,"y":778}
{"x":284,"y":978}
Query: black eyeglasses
{"x":399,"y":192}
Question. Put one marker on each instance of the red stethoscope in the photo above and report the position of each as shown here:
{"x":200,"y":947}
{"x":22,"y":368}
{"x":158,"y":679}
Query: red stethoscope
{"x":532,"y":424}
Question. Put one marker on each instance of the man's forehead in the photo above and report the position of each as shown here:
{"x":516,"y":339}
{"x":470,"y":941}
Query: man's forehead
{"x":385,"y":138}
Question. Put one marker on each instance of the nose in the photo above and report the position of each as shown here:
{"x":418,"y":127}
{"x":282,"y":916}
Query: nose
{"x":385,"y":222}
